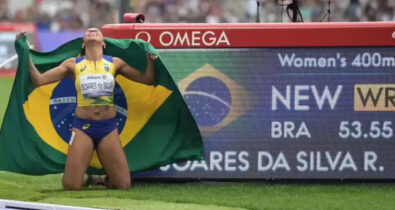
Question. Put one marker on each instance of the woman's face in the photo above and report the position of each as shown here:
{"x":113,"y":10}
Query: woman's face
{"x":93,"y":34}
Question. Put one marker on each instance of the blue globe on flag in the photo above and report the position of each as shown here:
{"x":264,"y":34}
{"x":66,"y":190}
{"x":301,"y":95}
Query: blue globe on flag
{"x":209,"y":100}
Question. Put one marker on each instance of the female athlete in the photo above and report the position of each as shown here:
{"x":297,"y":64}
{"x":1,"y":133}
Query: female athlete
{"x":94,"y":127}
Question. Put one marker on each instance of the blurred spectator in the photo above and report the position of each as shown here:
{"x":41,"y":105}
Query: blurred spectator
{"x":79,"y":14}
{"x":58,"y":15}
{"x":213,"y":11}
{"x":3,"y":10}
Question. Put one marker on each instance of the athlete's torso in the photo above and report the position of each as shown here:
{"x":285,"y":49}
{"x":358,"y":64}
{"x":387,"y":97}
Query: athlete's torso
{"x":94,"y":82}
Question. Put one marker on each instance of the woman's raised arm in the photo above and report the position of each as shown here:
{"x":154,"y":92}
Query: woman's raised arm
{"x":147,"y":77}
{"x":53,"y":75}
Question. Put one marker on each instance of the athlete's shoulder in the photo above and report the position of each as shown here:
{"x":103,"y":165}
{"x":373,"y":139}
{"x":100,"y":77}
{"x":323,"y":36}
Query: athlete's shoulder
{"x":118,"y":60}
{"x":69,"y":63}
{"x":71,"y":60}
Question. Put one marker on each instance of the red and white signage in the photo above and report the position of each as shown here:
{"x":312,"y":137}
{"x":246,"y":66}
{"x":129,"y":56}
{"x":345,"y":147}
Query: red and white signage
{"x":257,"y":34}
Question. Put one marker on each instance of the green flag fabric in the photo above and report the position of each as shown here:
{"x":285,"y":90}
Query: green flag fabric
{"x":155,"y":124}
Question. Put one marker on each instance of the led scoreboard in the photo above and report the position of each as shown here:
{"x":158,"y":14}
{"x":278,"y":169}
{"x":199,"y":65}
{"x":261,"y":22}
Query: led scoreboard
{"x":282,"y":100}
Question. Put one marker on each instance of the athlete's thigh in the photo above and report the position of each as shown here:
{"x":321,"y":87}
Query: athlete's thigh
{"x":78,"y":159}
{"x":113,"y":159}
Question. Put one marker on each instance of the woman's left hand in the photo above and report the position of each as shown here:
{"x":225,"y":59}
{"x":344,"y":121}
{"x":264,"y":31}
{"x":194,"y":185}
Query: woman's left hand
{"x":152,"y":56}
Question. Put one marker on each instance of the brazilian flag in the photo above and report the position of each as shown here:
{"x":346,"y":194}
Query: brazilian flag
{"x":155,"y":124}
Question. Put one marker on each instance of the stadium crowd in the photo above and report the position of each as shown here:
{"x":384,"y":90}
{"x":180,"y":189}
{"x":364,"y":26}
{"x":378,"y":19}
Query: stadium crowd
{"x":58,"y":15}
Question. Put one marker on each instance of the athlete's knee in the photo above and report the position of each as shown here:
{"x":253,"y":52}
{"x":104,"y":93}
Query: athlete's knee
{"x":71,"y":184}
{"x":121,"y":183}
{"x":124,"y":185}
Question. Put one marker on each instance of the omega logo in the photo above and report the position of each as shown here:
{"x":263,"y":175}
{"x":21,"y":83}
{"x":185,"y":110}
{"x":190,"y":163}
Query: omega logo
{"x":187,"y":38}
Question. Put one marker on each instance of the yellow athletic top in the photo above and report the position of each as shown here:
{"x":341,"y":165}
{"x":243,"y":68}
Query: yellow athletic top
{"x":94,"y":81}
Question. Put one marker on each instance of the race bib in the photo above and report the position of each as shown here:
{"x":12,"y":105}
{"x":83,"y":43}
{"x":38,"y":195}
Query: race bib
{"x":96,"y":85}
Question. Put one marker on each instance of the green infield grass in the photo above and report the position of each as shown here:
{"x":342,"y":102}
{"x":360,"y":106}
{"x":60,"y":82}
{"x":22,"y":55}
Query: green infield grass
{"x":202,"y":195}
{"x":5,"y":91}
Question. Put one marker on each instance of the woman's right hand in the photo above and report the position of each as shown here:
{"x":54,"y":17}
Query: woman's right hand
{"x":20,"y":35}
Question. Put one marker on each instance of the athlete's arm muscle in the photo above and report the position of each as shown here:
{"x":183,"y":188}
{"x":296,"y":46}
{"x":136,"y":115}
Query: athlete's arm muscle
{"x":66,"y":68}
{"x":147,"y":77}
{"x":53,"y":75}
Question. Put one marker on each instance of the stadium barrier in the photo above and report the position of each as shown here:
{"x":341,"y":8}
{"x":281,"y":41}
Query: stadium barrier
{"x":306,"y":100}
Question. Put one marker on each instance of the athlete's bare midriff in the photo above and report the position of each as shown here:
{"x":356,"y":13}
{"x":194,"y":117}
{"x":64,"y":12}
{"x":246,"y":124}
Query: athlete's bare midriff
{"x":95,"y":112}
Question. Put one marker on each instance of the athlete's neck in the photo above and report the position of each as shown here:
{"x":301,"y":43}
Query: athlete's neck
{"x":94,"y":52}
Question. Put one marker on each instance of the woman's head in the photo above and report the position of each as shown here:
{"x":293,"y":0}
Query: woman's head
{"x":93,"y":35}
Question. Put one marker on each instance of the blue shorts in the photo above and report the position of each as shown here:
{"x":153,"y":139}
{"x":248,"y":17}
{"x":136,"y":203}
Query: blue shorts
{"x":95,"y":129}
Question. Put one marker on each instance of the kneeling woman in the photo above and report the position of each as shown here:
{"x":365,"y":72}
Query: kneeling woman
{"x":94,"y":127}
